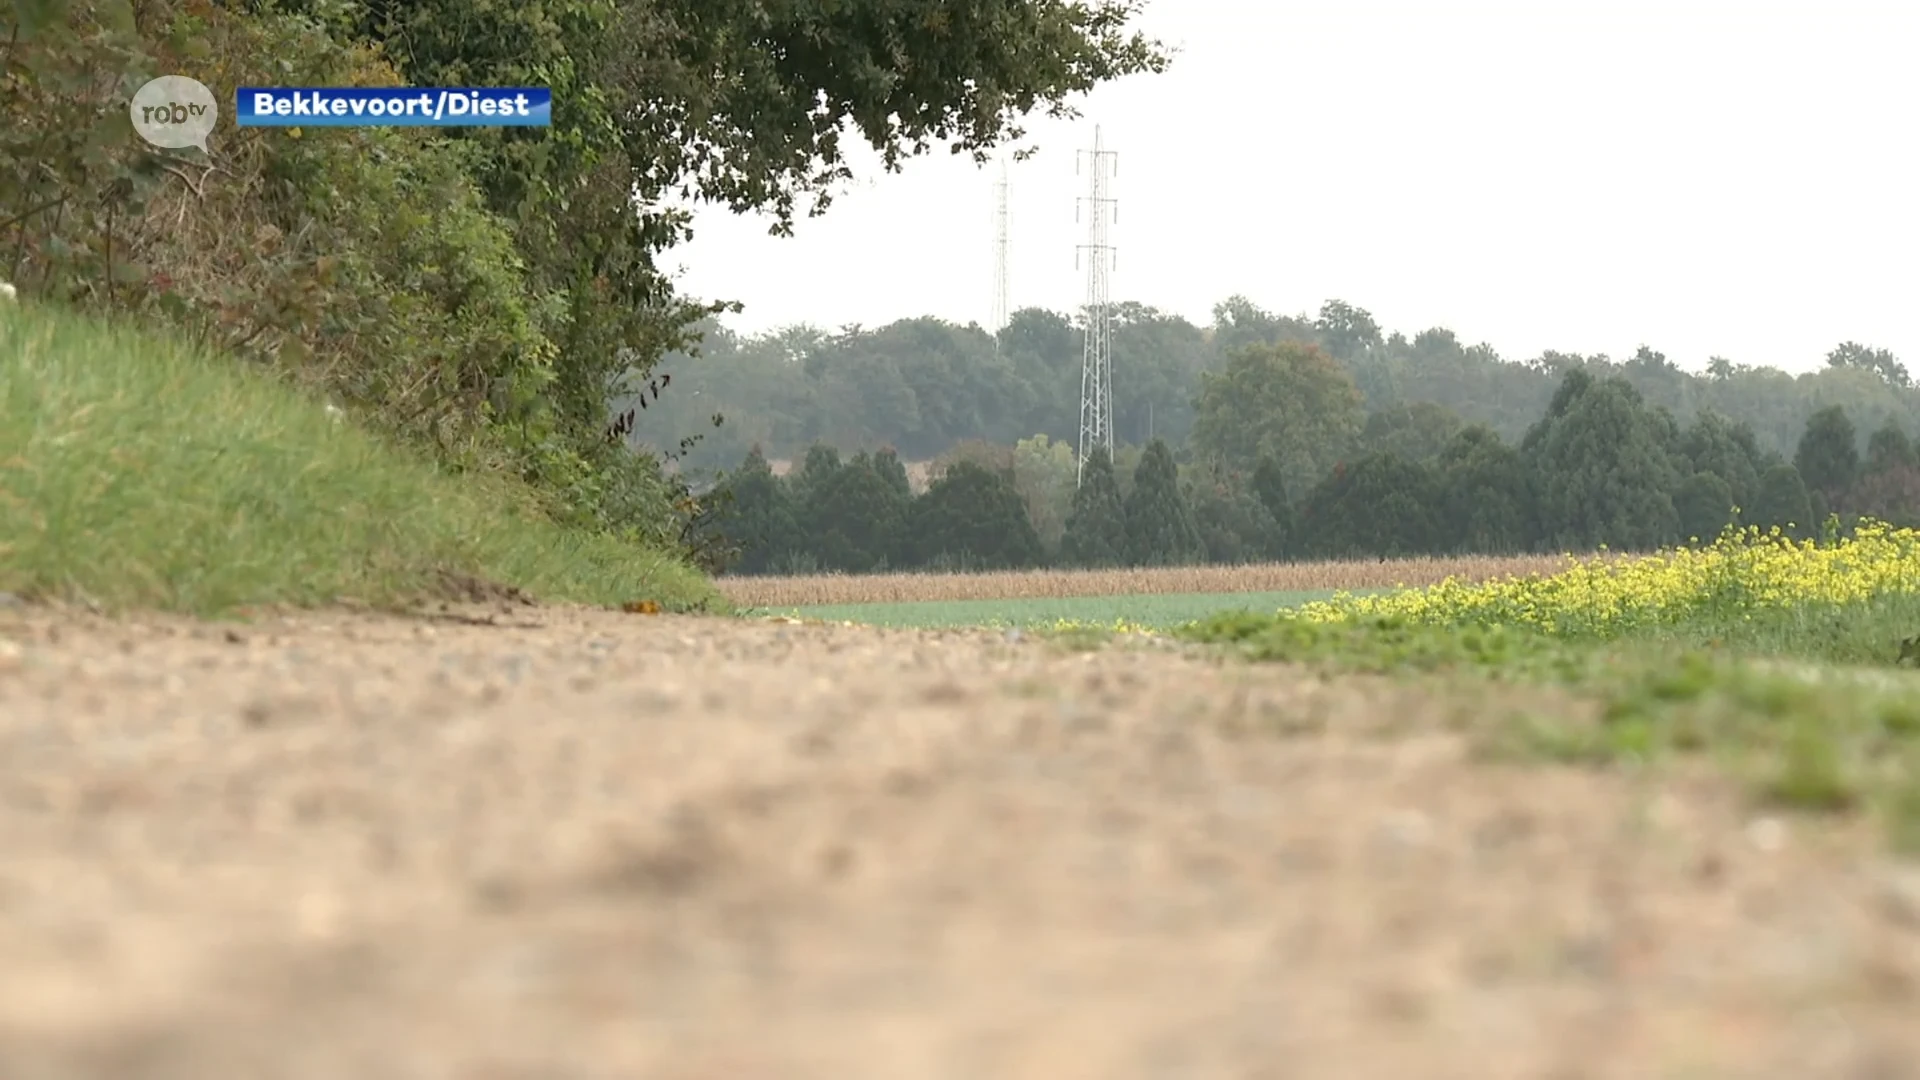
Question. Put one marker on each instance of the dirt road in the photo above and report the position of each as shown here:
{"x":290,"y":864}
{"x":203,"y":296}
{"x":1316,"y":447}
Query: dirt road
{"x":591,"y":845}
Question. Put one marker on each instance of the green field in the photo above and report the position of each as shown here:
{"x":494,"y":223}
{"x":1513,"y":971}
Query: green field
{"x":1805,"y":700}
{"x":1153,"y":611}
{"x":136,"y":472}
{"x":1808,"y":701}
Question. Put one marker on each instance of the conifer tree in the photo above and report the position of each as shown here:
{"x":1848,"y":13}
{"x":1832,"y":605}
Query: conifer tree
{"x":1160,"y":527}
{"x":759,"y":518}
{"x":1096,"y":531}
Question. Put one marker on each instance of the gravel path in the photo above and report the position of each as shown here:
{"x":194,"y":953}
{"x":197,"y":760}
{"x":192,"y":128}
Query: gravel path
{"x":534,"y":843}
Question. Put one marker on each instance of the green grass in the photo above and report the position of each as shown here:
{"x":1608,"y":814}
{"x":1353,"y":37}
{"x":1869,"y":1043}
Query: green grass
{"x":1780,"y":706}
{"x":136,"y":473}
{"x":1154,"y":612}
{"x":1864,"y":634}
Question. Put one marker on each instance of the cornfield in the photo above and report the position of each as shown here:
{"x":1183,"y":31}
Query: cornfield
{"x":825,"y":589}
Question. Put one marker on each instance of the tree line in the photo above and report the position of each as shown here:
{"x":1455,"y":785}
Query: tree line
{"x":923,"y":386}
{"x":1600,"y":465}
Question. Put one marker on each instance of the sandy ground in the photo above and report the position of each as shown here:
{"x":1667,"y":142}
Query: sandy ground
{"x":564,"y":844}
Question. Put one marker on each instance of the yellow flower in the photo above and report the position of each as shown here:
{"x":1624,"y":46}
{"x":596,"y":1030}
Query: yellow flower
{"x":1743,"y":571}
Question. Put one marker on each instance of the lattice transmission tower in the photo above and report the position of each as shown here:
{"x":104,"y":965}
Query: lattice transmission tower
{"x":1096,"y":363}
{"x":1001,"y":290}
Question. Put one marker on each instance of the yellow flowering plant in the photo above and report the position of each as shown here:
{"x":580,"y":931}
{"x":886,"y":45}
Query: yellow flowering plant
{"x":1746,"y":571}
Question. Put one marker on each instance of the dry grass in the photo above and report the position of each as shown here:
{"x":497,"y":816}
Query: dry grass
{"x":820,"y":589}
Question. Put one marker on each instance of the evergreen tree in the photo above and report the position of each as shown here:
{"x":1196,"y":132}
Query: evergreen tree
{"x":1160,"y":526}
{"x":1705,"y":505}
{"x":1574,"y":385}
{"x":1717,"y":445}
{"x":821,"y":464}
{"x":856,"y":519}
{"x":1381,"y":505}
{"x":1890,"y":448}
{"x":1782,"y":501}
{"x":1672,"y":440}
{"x":887,"y":463}
{"x":975,"y":517}
{"x":1270,"y":487}
{"x":1096,"y":532}
{"x":759,"y":516}
{"x":1828,"y":457}
{"x":1606,"y":476}
{"x":1488,"y":502}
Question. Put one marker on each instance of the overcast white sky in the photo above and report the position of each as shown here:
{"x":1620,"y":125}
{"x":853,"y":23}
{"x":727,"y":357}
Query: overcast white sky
{"x":1709,"y":178}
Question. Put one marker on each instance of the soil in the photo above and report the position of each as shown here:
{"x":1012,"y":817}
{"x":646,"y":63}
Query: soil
{"x":520,"y":842}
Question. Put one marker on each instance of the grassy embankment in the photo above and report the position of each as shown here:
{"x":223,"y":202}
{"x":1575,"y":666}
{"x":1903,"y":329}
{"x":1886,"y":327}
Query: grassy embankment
{"x":136,"y":473}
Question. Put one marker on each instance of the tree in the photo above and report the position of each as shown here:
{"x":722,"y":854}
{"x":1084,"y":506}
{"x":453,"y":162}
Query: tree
{"x":1044,"y":351}
{"x":1238,"y":322}
{"x":1234,"y":528}
{"x":1162,"y":356}
{"x":760,"y":516}
{"x":1605,"y":475}
{"x":1648,"y":362}
{"x":1488,"y":503}
{"x":1828,"y":457}
{"x":1270,"y":488}
{"x":1819,"y":510}
{"x":1288,"y":401}
{"x":1043,"y":471}
{"x":1705,"y":505}
{"x":896,"y":489}
{"x":992,"y":457}
{"x":856,"y":520}
{"x":1574,"y":384}
{"x":817,"y":469}
{"x":1891,"y":495}
{"x":1348,"y":332}
{"x":1381,"y":505}
{"x":1889,"y":448}
{"x":1714,"y":444}
{"x":1414,"y":432}
{"x":1852,"y":354}
{"x":973,"y":518}
{"x":948,"y":385}
{"x":1160,"y":526}
{"x":1557,"y":365}
{"x":1782,"y":501}
{"x":859,"y":394}
{"x":1096,"y":529}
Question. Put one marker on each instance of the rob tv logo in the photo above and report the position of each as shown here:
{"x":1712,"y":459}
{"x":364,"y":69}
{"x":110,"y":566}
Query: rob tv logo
{"x":174,"y":111}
